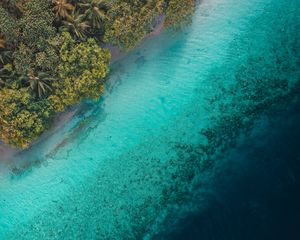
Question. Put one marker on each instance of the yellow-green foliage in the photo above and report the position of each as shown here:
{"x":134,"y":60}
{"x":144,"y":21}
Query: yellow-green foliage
{"x":8,"y":26}
{"x":179,"y":12}
{"x":81,"y":71}
{"x":130,"y":21}
{"x":21,"y":119}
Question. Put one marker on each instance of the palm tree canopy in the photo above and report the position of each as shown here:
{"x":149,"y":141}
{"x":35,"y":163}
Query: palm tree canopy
{"x":40,"y":84}
{"x":95,"y":11}
{"x":76,"y":24}
{"x":62,"y":8}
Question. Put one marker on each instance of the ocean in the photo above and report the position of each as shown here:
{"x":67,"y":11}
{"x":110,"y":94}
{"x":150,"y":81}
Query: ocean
{"x":195,"y":138}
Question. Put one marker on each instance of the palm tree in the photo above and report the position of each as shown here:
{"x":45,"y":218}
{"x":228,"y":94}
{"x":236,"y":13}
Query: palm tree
{"x":40,"y":84}
{"x":5,"y":57}
{"x":95,"y":11}
{"x":9,"y":78}
{"x":62,"y":8}
{"x":76,"y":24}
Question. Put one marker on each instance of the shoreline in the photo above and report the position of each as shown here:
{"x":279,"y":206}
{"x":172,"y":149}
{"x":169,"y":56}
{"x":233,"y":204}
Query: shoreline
{"x":117,"y":54}
{"x":7,"y":152}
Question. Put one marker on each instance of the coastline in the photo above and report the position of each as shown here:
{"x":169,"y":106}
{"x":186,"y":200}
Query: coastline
{"x":117,"y":54}
{"x":151,"y":155}
{"x":7,"y":152}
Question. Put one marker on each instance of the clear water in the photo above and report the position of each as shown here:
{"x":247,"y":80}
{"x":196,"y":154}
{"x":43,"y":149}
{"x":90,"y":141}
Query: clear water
{"x":131,"y":165}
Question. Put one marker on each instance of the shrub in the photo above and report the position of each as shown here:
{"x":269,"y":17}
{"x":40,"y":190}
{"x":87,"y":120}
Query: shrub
{"x":81,"y":71}
{"x":130,"y":21}
{"x":22,"y":119}
{"x":179,"y":12}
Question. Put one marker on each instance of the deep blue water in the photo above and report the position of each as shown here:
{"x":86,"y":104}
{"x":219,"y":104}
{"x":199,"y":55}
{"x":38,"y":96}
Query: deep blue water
{"x":262,"y":200}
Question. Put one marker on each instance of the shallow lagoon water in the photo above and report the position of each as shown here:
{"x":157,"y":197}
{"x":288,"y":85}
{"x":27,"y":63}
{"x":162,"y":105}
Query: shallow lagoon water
{"x":147,"y":154}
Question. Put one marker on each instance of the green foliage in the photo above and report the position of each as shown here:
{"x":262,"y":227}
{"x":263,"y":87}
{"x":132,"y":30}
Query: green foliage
{"x":179,"y":12}
{"x":130,"y":21}
{"x":36,"y":24}
{"x":76,"y":24}
{"x":81,"y":72}
{"x":23,"y":59}
{"x":34,"y":51}
{"x":62,"y":8}
{"x":95,"y":11}
{"x":8,"y":27}
{"x":14,"y":7}
{"x":21,"y":118}
{"x":40,"y":84}
{"x":9,"y":77}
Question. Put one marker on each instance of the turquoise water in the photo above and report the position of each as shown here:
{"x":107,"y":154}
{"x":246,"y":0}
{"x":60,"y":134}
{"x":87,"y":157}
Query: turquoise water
{"x":128,"y":166}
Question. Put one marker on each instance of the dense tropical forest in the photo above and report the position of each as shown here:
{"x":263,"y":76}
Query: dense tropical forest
{"x":53,"y":55}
